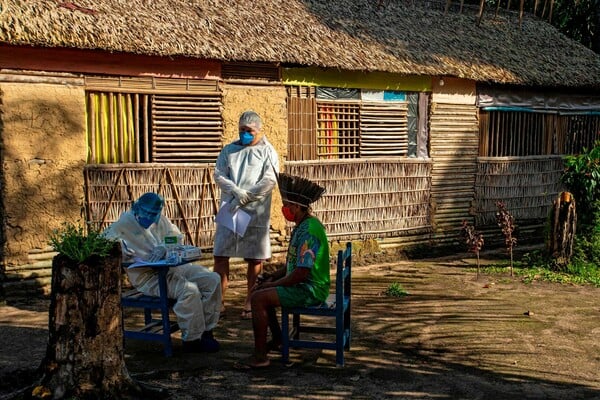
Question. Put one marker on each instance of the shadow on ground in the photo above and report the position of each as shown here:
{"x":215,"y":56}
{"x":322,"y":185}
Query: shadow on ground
{"x":452,"y":337}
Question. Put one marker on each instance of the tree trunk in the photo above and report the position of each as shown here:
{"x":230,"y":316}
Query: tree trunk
{"x":564,"y":222}
{"x":84,"y":357}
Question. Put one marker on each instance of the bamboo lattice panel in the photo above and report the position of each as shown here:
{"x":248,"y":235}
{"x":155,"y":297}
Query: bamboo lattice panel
{"x":186,"y":128}
{"x":190,"y":193}
{"x":145,"y":120}
{"x":453,"y":148}
{"x":510,"y":134}
{"x":384,"y":129}
{"x":527,"y":185}
{"x":338,"y":129}
{"x":370,"y":198}
{"x":239,"y":70}
{"x":150,"y":85}
{"x":302,"y":131}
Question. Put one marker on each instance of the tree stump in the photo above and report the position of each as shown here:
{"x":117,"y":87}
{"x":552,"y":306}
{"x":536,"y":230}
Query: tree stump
{"x":84,"y":357}
{"x":564,"y":222}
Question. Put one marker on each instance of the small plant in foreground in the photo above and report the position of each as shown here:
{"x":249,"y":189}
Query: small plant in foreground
{"x":72,"y":241}
{"x":506,"y":222}
{"x":396,"y":290}
{"x":473,"y":240}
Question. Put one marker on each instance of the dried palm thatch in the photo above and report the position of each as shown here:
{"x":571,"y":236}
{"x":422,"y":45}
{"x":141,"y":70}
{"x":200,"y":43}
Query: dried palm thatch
{"x":407,"y":37}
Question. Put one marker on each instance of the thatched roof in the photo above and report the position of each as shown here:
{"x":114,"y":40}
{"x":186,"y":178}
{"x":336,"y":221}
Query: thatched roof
{"x":393,"y":35}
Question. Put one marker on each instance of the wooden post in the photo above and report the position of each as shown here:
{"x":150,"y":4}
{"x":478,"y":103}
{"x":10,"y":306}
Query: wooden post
{"x":564,"y":223}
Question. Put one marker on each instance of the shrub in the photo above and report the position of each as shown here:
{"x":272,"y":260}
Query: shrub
{"x":473,"y":240}
{"x":506,"y":222}
{"x":582,"y":178}
{"x":73,"y":242}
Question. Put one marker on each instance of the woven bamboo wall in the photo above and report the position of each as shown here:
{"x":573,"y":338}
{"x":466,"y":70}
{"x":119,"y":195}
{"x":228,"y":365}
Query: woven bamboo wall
{"x":527,"y":185}
{"x":370,"y":198}
{"x":454,"y":142}
{"x":191,"y":195}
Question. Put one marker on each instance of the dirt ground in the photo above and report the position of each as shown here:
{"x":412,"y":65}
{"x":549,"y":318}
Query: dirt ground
{"x":453,"y":337}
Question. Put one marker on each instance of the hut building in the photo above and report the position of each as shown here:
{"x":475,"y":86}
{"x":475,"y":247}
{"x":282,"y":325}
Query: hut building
{"x":414,"y":115}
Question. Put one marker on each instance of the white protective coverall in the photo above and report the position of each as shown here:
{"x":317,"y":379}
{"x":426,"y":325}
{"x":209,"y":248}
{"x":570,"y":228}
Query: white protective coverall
{"x":251,"y":168}
{"x":196,"y":288}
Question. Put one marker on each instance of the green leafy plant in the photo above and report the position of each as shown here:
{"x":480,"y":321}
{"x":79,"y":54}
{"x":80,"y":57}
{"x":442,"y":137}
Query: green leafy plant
{"x":396,"y":290}
{"x":506,"y":222}
{"x":473,"y":240}
{"x":78,"y":244}
{"x":582,"y":178}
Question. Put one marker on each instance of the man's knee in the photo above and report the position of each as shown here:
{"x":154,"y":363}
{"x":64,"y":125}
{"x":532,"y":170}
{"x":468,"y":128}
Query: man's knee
{"x":187,"y":291}
{"x":215,"y":280}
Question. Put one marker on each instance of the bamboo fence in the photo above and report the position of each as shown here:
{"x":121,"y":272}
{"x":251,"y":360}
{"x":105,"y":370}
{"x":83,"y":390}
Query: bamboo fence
{"x":370,"y":198}
{"x":527,"y":185}
{"x":190,"y":193}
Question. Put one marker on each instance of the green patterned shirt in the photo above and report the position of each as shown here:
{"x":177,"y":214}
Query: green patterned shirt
{"x":309,"y":248}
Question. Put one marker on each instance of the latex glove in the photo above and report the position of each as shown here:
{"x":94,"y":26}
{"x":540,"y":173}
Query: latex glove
{"x":234,"y":205}
{"x":243,"y":196}
{"x":248,"y":199}
{"x":158,"y":253}
{"x":127,"y":252}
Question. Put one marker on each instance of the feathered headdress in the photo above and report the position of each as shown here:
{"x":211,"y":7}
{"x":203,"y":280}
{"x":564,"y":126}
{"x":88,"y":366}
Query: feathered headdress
{"x":297,"y":190}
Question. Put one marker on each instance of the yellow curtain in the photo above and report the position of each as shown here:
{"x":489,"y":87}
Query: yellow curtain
{"x":111,"y":128}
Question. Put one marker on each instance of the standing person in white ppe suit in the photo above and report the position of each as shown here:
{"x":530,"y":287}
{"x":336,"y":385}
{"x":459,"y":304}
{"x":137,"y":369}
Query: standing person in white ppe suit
{"x":197,"y":290}
{"x":246,"y":174}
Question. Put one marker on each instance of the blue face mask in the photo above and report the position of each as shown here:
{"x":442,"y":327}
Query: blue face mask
{"x":145,"y":222}
{"x":246,"y":138}
{"x":145,"y":218}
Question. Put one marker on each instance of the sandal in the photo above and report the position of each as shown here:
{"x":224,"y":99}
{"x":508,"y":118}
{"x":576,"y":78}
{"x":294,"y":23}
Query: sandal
{"x":246,"y":314}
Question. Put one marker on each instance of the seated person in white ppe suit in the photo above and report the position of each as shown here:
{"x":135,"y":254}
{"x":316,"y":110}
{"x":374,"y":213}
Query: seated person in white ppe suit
{"x":196,"y":289}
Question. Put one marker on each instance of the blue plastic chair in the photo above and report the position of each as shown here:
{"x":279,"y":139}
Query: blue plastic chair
{"x":337,"y":307}
{"x":157,"y":328}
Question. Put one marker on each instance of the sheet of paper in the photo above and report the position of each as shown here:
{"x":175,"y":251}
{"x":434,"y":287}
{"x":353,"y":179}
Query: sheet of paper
{"x":236,"y":222}
{"x":141,"y":263}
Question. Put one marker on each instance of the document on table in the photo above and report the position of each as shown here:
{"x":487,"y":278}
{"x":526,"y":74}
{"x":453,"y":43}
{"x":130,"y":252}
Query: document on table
{"x":236,"y":222}
{"x":160,"y":263}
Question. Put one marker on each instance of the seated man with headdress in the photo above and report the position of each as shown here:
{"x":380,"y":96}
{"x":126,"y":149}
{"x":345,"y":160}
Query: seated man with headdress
{"x":197,"y":290}
{"x":303,"y":281}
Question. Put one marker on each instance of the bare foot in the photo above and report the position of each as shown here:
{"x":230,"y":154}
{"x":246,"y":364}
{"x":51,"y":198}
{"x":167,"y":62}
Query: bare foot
{"x":251,"y":363}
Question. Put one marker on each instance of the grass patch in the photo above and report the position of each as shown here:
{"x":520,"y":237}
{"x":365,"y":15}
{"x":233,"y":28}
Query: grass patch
{"x":575,"y":274}
{"x":396,"y":290}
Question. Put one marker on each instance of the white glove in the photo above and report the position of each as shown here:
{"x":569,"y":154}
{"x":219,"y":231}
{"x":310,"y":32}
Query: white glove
{"x":127,"y":252}
{"x":243,"y":196}
{"x":158,"y":253}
